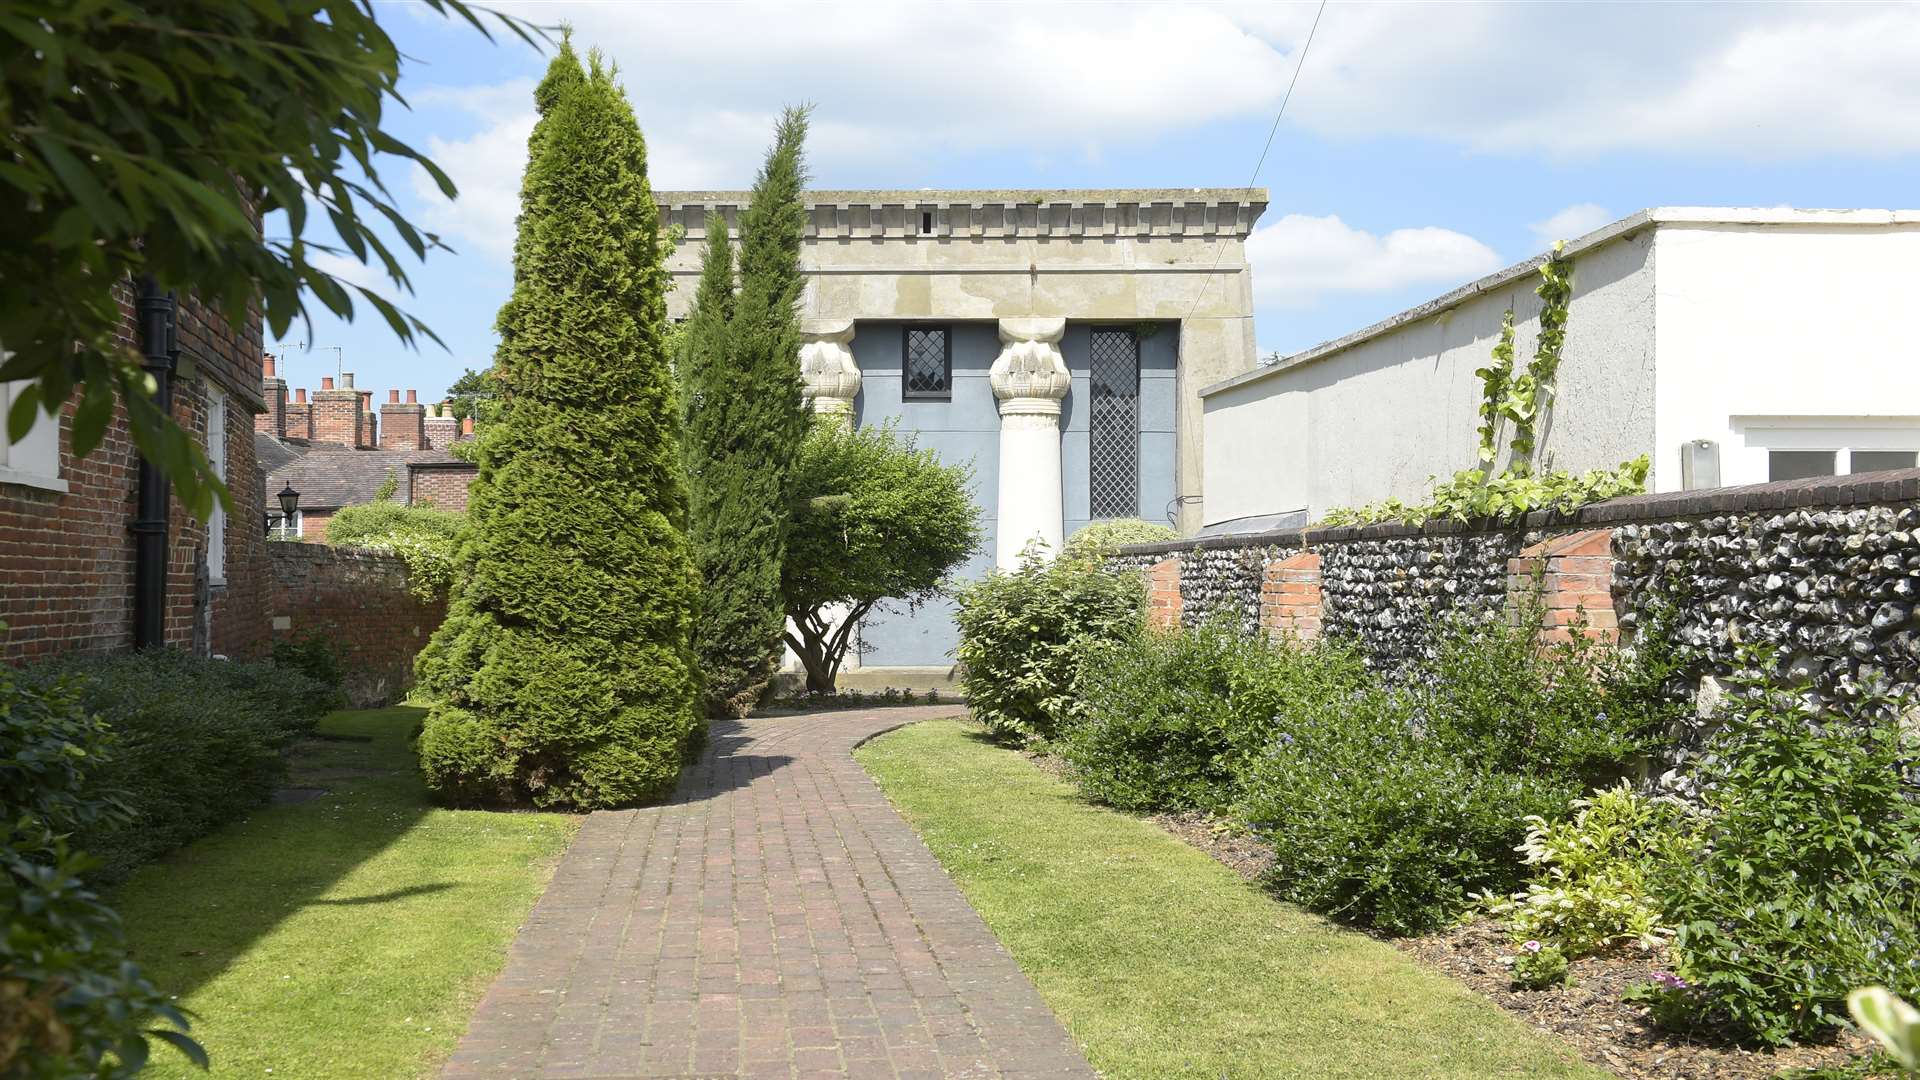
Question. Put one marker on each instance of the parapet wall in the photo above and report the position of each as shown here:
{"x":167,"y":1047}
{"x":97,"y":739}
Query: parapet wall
{"x":1825,"y":572}
{"x":359,"y":602}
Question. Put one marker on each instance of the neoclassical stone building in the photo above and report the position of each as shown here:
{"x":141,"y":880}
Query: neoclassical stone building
{"x":1056,"y":339}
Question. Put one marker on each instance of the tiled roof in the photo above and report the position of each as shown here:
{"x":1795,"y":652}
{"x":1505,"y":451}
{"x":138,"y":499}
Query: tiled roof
{"x":333,"y":476}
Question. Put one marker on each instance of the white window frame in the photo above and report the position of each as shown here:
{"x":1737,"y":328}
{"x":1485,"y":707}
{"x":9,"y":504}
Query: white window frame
{"x":277,"y":526}
{"x":217,"y":457}
{"x":1840,"y":434}
{"x":35,"y":460}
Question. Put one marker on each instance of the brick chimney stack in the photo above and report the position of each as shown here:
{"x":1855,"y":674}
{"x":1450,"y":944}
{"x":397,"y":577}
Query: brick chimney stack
{"x":441,"y":429}
{"x":299,"y":417}
{"x":273,"y":390}
{"x":403,"y":426}
{"x":338,"y":412}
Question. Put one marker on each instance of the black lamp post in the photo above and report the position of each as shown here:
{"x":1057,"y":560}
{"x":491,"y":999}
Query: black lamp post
{"x":289,"y":506}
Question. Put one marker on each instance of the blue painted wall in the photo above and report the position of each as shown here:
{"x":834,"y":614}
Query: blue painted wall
{"x":967,"y":428}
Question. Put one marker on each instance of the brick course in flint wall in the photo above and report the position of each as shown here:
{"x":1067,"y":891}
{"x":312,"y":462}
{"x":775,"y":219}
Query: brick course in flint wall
{"x":1824,"y":572}
{"x":1163,"y":594}
{"x":1290,"y":599}
{"x":66,"y":558}
{"x":358,"y":601}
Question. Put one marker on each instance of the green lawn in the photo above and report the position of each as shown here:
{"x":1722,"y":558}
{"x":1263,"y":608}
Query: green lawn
{"x":350,"y":935}
{"x":1162,"y":962}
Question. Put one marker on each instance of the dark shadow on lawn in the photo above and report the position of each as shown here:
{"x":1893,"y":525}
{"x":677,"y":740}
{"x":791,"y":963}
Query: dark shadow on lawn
{"x":390,"y":895}
{"x":191,"y":913}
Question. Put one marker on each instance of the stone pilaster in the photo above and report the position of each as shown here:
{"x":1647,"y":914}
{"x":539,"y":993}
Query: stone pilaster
{"x":1029,"y":379}
{"x":829,"y":377}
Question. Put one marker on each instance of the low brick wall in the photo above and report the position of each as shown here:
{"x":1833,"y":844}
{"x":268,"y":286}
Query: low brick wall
{"x":358,"y":601}
{"x":1825,"y":572}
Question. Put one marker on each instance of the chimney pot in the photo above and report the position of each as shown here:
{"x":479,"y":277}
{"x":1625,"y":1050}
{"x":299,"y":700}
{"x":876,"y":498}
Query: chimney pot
{"x":466,"y":426}
{"x":346,"y":379}
{"x":326,"y":382}
{"x":300,"y":396}
{"x":266,"y":360}
{"x":393,"y":397}
{"x":413,"y":397}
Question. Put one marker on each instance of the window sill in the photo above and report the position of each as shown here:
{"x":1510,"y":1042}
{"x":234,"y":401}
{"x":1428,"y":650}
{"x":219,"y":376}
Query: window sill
{"x":32,"y":480}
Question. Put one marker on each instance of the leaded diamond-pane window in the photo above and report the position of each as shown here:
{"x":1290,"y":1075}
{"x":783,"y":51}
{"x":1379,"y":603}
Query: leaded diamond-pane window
{"x":928,"y":371}
{"x":1113,"y":483}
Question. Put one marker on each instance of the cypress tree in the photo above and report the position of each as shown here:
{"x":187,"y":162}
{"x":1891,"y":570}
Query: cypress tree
{"x":564,"y":670}
{"x":745,"y":421}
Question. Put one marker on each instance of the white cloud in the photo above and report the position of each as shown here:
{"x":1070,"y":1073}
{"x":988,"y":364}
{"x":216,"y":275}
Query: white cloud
{"x":1576,"y":220}
{"x":1299,"y":259}
{"x":1760,"y":81}
{"x":903,"y":89}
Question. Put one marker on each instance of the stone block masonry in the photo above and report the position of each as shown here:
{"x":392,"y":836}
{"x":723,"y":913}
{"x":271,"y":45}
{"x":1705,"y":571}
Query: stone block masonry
{"x":358,"y":601}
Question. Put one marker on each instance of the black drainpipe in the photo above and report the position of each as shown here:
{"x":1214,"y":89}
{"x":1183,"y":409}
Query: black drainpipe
{"x":155,"y":311}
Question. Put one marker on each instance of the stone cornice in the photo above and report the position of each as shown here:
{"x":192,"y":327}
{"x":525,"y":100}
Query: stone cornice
{"x":1145,"y":212}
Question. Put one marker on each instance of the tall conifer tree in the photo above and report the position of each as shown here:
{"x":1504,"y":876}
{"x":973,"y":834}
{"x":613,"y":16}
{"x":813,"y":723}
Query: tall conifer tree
{"x":564,"y":670}
{"x":745,"y":421}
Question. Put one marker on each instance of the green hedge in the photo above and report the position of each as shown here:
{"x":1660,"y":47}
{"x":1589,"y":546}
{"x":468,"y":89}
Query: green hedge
{"x":197,"y":743}
{"x":72,"y":996}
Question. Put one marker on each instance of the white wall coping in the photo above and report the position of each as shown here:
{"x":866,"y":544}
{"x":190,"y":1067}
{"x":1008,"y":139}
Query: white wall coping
{"x":1659,"y":216}
{"x":1000,"y":213}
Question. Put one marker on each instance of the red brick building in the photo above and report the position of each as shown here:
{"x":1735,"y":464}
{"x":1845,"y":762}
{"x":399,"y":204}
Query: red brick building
{"x":70,"y":527}
{"x":336,"y":450}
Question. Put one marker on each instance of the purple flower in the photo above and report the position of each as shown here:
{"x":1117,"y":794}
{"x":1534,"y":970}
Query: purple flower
{"x":1669,"y":980}
{"x":1530,"y":946}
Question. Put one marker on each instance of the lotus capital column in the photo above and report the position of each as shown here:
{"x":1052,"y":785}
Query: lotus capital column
{"x":829,"y":378}
{"x":1029,"y":380}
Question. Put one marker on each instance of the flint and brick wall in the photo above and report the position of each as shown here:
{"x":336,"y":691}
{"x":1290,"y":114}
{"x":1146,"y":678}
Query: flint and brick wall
{"x":357,"y":601}
{"x":1825,"y":573}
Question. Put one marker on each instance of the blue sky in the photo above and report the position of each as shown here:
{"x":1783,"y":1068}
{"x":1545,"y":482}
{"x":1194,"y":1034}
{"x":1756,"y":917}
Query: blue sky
{"x":1426,"y":144}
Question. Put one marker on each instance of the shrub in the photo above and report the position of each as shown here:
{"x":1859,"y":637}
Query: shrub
{"x":197,"y":743}
{"x":1376,"y":823}
{"x":316,"y":658}
{"x":426,"y":539}
{"x":1168,"y":720}
{"x":1022,"y":635}
{"x":1591,"y":886}
{"x":71,"y":1003}
{"x":564,"y":669}
{"x":352,"y":525}
{"x":1804,"y":881}
{"x":1576,"y":709}
{"x":1093,"y":543}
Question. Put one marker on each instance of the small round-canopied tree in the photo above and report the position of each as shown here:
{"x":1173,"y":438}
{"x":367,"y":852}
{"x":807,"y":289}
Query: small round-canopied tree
{"x":874,"y":518}
{"x":563,"y":672}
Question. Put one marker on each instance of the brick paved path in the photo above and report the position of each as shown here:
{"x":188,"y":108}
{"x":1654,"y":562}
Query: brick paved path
{"x":778,"y":918}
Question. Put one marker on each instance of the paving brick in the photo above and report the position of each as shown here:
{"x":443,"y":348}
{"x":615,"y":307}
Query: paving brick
{"x":776,"y":919}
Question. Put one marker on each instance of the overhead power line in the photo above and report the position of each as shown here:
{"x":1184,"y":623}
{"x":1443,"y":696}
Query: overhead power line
{"x":1219,"y":245}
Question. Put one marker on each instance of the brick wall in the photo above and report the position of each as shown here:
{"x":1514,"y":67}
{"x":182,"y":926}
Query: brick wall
{"x":443,"y":486}
{"x":66,"y":558}
{"x":359,"y":602}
